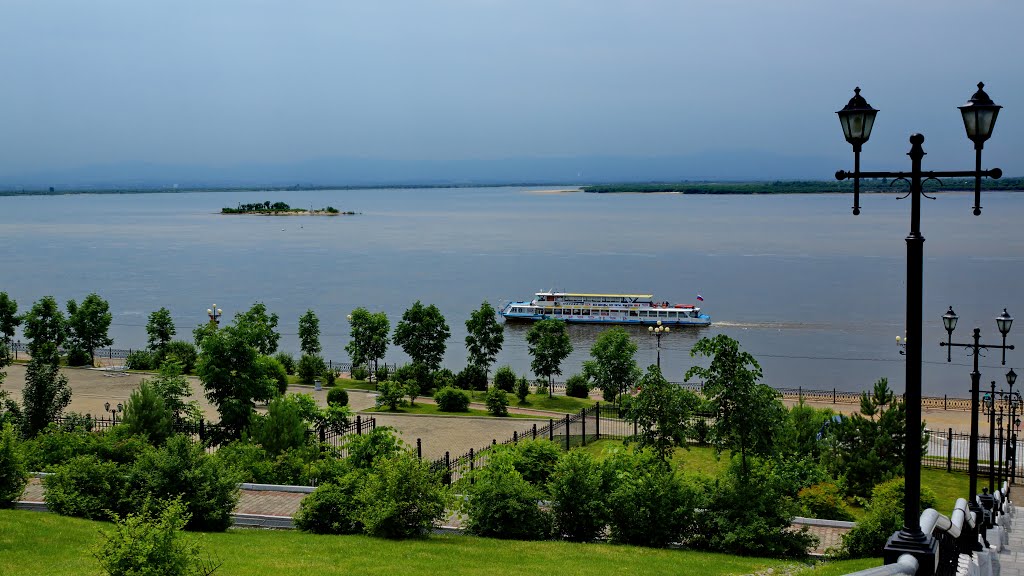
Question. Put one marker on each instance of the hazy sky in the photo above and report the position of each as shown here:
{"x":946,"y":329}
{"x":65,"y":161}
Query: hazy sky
{"x":223,"y":82}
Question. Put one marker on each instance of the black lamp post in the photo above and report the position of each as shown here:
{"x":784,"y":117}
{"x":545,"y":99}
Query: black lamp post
{"x":113,"y":411}
{"x":214,"y":314}
{"x":1003,"y":322}
{"x":857,"y":118}
{"x":658,"y":331}
{"x":1011,"y":427}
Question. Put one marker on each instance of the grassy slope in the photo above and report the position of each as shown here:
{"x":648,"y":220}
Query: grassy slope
{"x":33,"y":543}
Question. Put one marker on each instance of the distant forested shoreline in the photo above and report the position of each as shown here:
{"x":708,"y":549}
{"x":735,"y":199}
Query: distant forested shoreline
{"x":682,"y":187}
{"x":799,"y":186}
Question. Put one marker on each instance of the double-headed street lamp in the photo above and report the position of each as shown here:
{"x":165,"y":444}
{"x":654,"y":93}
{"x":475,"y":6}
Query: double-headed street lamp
{"x":1003,"y":322}
{"x":658,"y":331}
{"x":214,"y":314}
{"x":857,"y":118}
{"x":113,"y":411}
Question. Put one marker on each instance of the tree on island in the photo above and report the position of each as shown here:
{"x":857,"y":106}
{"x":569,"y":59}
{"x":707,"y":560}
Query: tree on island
{"x":484,"y":337}
{"x":549,"y":345}
{"x":423,"y":335}
{"x":749,"y":414}
{"x":613,"y":367}
{"x":159,"y":330}
{"x":368,"y":337}
{"x":46,"y":330}
{"x":309,"y":333}
{"x":89,"y":324}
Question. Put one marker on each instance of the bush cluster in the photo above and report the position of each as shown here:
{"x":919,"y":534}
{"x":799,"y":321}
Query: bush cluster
{"x":577,"y":386}
{"x":505,"y":379}
{"x":310,"y":368}
{"x":13,"y":473}
{"x":497,"y":402}
{"x":337,"y":397}
{"x":449,"y":399}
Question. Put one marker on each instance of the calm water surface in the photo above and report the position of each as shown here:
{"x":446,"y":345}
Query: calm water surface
{"x":816,"y":294}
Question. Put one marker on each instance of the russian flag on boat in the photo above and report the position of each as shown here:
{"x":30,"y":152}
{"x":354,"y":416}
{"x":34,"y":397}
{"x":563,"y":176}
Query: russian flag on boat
{"x":700,"y":298}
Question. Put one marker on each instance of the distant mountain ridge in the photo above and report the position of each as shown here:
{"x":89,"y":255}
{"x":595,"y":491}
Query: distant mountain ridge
{"x":708,"y":166}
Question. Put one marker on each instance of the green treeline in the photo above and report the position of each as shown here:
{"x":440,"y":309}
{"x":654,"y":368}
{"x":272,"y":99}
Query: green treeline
{"x":800,"y":186}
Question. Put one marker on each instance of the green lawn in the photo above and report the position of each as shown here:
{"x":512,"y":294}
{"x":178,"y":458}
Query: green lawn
{"x":33,"y":543}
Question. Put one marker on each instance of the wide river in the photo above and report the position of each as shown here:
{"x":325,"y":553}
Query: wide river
{"x":814,"y":293}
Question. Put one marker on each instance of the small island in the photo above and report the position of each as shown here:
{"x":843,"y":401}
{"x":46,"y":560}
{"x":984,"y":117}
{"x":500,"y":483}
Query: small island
{"x":280,"y":209}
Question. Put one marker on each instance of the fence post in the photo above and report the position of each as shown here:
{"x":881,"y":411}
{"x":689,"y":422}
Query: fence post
{"x":534,"y":430}
{"x":359,"y":425}
{"x":330,"y":365}
{"x":202,"y":430}
{"x":567,"y":432}
{"x":373,"y":423}
{"x":944,"y":399}
{"x":800,"y":393}
{"x":323,"y":436}
{"x":634,"y":427}
{"x":597,"y":420}
{"x":447,"y":469}
{"x":551,"y":429}
{"x":515,"y":437}
{"x":833,"y":395}
{"x":419,"y":449}
{"x":494,"y":441}
{"x":583,"y":425}
{"x":471,"y":466}
{"x":949,"y":450}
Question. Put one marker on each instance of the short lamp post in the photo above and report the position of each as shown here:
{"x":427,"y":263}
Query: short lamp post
{"x":214,"y":313}
{"x":857,"y":118}
{"x":658,"y":331}
{"x":113,"y":411}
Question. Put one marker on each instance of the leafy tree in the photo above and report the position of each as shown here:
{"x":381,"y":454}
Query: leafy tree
{"x":390,"y":394}
{"x":749,"y":414}
{"x":13,"y":473}
{"x":505,"y":378}
{"x":549,"y":345}
{"x":503,"y":504}
{"x":423,"y":335}
{"x":282,"y":428}
{"x":89,"y":324}
{"x":146,"y":414}
{"x":232,"y":376}
{"x":9,"y":319}
{"x":497,"y":402}
{"x":46,"y":329}
{"x":368,"y":337}
{"x":613,"y":368}
{"x":159,"y":330}
{"x":259,"y":328}
{"x":661,"y":411}
{"x":309,"y":333}
{"x":401,"y":497}
{"x":45,"y":396}
{"x":173,"y":387}
{"x":484,"y":336}
{"x":577,"y":497}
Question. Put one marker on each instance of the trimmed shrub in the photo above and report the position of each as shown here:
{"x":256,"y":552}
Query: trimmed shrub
{"x":535,"y":460}
{"x":522,"y":389}
{"x":497,"y":402}
{"x":577,"y":497}
{"x":86,"y":487}
{"x":472,"y":377}
{"x":144,"y":544}
{"x":141,"y":360}
{"x":824,"y":501}
{"x":390,"y":394}
{"x":502,"y":504}
{"x":451,"y":400}
{"x":286,"y":360}
{"x":183,"y":469}
{"x":145,"y":414}
{"x":273,"y":369}
{"x":401,"y":498}
{"x":647,"y":504}
{"x":337,"y":397}
{"x":360,"y":373}
{"x":332,"y":507}
{"x":182,"y":352}
{"x":13,"y":473}
{"x":79,"y":356}
{"x":310,"y":368}
{"x":577,"y":386}
{"x":505,"y":379}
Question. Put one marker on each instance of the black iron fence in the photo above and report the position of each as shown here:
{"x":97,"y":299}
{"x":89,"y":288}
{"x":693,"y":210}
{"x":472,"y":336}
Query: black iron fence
{"x":950,"y":450}
{"x":602,"y":420}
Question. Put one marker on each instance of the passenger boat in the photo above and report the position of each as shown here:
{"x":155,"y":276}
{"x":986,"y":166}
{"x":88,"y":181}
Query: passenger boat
{"x":604,"y":309}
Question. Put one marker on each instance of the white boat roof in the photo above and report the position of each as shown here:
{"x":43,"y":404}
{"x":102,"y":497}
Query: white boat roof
{"x":599,"y":295}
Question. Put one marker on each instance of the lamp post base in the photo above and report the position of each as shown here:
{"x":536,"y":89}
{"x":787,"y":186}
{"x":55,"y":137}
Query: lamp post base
{"x":925,"y":550}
